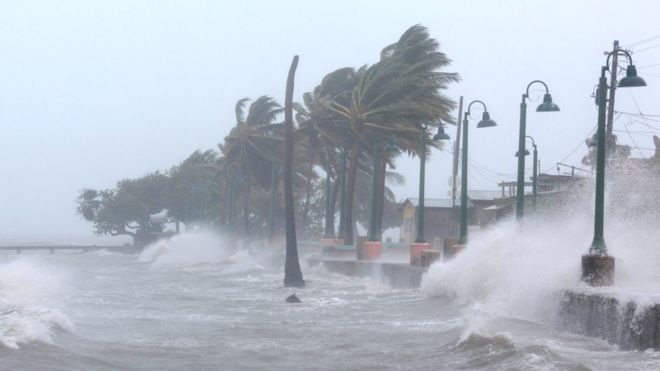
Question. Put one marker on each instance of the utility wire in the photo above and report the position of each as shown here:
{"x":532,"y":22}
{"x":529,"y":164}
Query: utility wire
{"x":644,"y":41}
{"x":645,"y":49}
{"x":574,"y":149}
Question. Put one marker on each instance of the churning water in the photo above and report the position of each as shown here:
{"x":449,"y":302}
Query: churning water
{"x":193,"y":303}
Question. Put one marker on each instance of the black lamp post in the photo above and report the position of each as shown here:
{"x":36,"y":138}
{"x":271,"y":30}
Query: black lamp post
{"x":534,"y":170}
{"x":484,"y":123}
{"x":597,"y":266}
{"x":546,"y":106}
{"x":441,"y":135}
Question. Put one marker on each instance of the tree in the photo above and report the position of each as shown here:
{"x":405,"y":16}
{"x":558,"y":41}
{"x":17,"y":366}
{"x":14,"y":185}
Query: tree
{"x":292,"y":272}
{"x":251,"y":146}
{"x":395,"y":96}
{"x":126,"y":209}
{"x":322,"y":136}
{"x":194,"y":191}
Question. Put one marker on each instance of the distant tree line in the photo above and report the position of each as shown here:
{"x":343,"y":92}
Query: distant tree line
{"x":340,"y":126}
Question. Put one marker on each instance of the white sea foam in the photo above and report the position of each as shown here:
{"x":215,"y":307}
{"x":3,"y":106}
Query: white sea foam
{"x":187,"y":249}
{"x":29,"y":293}
{"x":520,"y":270}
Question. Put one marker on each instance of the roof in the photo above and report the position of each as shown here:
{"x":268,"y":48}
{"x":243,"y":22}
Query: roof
{"x":484,"y":195}
{"x":439,"y":203}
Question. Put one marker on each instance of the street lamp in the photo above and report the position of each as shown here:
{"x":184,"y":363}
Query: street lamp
{"x":484,"y":123}
{"x":534,"y":169}
{"x":420,"y":242}
{"x":441,"y":135}
{"x":597,"y":266}
{"x":546,"y":106}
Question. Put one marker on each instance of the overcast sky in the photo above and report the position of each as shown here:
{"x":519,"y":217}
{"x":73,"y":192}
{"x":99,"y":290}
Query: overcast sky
{"x":95,"y":91}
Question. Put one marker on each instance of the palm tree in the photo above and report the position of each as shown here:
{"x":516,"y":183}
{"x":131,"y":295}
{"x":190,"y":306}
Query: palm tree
{"x":321,"y":136}
{"x":395,"y":96}
{"x":292,"y":272}
{"x":249,"y":149}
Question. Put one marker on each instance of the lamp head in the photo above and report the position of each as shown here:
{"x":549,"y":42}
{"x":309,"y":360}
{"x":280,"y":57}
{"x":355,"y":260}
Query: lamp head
{"x":391,"y":146}
{"x":592,"y":142}
{"x":631,"y":80}
{"x":547,"y":105}
{"x":486,"y":122}
{"x":441,"y":135}
{"x":525,"y":153}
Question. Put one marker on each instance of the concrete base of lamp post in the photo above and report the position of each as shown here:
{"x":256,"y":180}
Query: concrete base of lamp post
{"x":328,"y":246}
{"x":372,"y":250}
{"x":446,"y":246}
{"x":416,"y":249}
{"x":427,"y":257}
{"x":452,"y":250}
{"x":359,"y":246}
{"x":597,"y":269}
{"x":331,"y":242}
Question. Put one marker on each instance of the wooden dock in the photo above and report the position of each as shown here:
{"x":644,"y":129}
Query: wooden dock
{"x":127,"y":249}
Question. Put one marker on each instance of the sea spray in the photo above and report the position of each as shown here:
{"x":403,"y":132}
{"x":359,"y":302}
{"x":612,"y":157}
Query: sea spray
{"x":29,"y":294}
{"x":200,"y":247}
{"x":513,"y":270}
{"x":520,"y":269}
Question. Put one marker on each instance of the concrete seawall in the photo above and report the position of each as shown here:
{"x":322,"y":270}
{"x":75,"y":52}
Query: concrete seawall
{"x":398,"y":275}
{"x":623,"y":322}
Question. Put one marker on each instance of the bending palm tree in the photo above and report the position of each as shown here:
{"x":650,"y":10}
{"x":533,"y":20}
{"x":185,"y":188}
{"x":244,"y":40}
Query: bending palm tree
{"x":395,"y":96}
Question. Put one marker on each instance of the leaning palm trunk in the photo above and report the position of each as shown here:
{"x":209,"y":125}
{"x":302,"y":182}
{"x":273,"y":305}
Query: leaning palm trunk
{"x":381,"y":200}
{"x":292,"y":274}
{"x":308,"y":189}
{"x":246,"y":206}
{"x":350,"y":192}
{"x":329,"y":209}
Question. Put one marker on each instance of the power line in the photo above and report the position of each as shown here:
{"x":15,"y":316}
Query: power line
{"x":574,"y":149}
{"x":633,"y":139}
{"x":635,"y":114}
{"x":644,"y":41}
{"x":649,"y":48}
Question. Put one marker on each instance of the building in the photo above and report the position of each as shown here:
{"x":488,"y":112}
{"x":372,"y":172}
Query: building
{"x":441,"y":217}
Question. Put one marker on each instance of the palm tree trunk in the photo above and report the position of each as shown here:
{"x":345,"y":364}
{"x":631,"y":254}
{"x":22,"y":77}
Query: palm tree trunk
{"x":342,"y":195}
{"x":308,"y":189}
{"x":246,"y":206}
{"x":381,"y":201}
{"x":329,"y":209}
{"x":333,"y":206}
{"x":292,"y":273}
{"x":350,"y":192}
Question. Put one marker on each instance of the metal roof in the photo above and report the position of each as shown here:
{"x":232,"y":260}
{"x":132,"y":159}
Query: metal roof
{"x":484,"y":195}
{"x":440,"y":203}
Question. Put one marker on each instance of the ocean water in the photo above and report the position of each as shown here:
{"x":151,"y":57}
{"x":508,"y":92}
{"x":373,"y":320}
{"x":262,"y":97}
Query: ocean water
{"x":197,"y":303}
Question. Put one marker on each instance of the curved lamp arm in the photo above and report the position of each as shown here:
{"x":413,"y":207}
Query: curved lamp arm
{"x":533,"y":143}
{"x":547,"y":91}
{"x":475,"y":101}
{"x":619,"y":52}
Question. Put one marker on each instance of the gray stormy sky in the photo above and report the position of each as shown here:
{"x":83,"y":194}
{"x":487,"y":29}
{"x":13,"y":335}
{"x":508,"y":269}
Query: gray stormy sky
{"x":95,"y":91}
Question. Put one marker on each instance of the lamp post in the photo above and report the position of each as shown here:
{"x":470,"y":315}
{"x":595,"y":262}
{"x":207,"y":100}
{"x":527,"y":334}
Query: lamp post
{"x":484,"y":123}
{"x":534,"y":170}
{"x":546,"y":106}
{"x":597,"y":266}
{"x":420,"y":242}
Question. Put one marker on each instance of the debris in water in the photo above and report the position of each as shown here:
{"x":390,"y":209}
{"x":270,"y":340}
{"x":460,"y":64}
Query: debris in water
{"x":293,"y":299}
